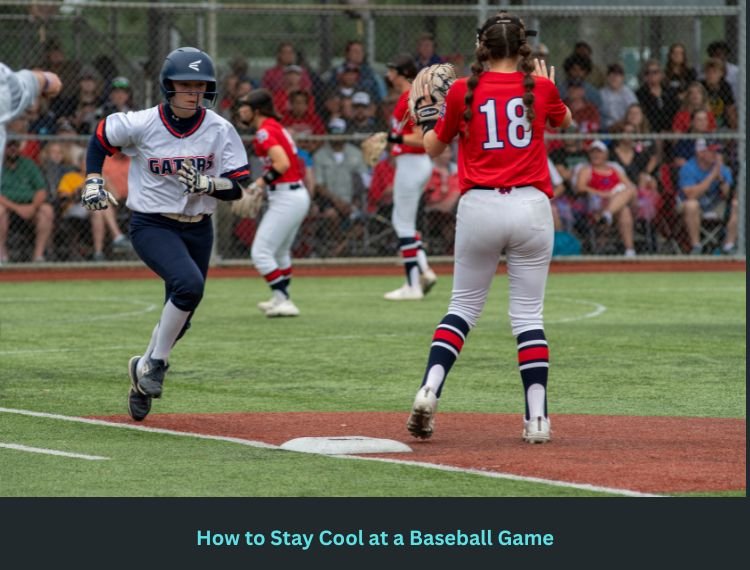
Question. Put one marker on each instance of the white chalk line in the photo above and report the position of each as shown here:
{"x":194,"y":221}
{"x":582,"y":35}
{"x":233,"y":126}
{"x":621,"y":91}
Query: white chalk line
{"x":147,"y":307}
{"x":46,"y":451}
{"x":599,"y":309}
{"x":263,"y":445}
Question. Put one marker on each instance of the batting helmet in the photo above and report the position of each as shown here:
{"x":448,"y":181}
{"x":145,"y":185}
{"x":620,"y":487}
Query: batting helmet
{"x":188,"y":64}
{"x":261,"y":100}
{"x":404,"y":65}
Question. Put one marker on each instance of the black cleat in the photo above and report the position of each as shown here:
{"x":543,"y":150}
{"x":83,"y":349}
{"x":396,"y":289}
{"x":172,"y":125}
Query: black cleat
{"x":138,"y":405}
{"x":151,"y":381}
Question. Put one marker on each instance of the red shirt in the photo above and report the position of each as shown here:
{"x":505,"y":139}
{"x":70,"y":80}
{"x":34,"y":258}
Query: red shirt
{"x":682,"y":120}
{"x":382,"y":177}
{"x":310,"y":123}
{"x":604,"y":181}
{"x":401,"y":112}
{"x":271,"y":134}
{"x":499,"y":152}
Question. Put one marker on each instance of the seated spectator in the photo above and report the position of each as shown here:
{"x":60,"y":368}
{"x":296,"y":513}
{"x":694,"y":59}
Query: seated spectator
{"x":636,"y":118}
{"x":273,"y":78}
{"x":659,"y":102}
{"x":441,"y":196}
{"x":577,"y":69}
{"x":119,"y":100}
{"x":610,"y":193}
{"x":106,"y":69}
{"x":23,"y":195}
{"x":292,"y":83}
{"x":426,"y":55}
{"x":54,"y":164}
{"x":678,"y":73}
{"x":366,"y":79}
{"x":568,"y":159}
{"x":633,"y":157}
{"x":684,"y":150}
{"x":331,"y":107}
{"x":339,"y":169}
{"x":28,"y":148}
{"x":363,"y":115}
{"x":720,"y":97}
{"x":84,"y":101}
{"x":704,"y":186}
{"x":585,"y":114}
{"x":695,"y":99}
{"x":301,"y":116}
{"x":596,"y":77}
{"x":56,"y":61}
{"x":41,"y":119}
{"x":719,"y":49}
{"x":380,"y":192}
{"x":616,"y":96}
{"x":560,"y":207}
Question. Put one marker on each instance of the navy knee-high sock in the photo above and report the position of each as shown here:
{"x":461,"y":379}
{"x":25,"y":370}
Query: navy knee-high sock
{"x":447,"y":342}
{"x":533,"y":364}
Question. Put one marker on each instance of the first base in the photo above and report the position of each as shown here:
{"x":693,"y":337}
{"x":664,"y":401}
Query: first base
{"x":345,"y":445}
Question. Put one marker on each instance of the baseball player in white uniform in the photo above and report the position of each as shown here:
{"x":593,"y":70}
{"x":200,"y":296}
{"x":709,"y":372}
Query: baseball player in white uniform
{"x":183,"y":158}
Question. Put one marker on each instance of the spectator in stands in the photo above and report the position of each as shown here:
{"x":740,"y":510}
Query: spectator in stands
{"x":339,"y":169}
{"x":609,"y":192}
{"x":696,"y":99}
{"x":558,"y":202}
{"x":568,"y":159}
{"x":678,"y":73}
{"x":585,"y":113}
{"x":54,"y":164}
{"x":273,"y":78}
{"x":120,"y":98}
{"x":441,"y":195}
{"x":720,"y":97}
{"x":41,"y":119}
{"x":363,"y":115}
{"x":331,"y":107}
{"x":28,"y":148}
{"x":596,"y":77}
{"x":301,"y":117}
{"x":633,"y":157}
{"x":426,"y":55}
{"x":577,"y":69}
{"x":380,"y":192}
{"x":705,"y":184}
{"x":720,"y":50}
{"x":56,"y":61}
{"x":635,"y":117}
{"x":659,"y":102}
{"x":24,"y":196}
{"x":367,"y":79}
{"x":107,"y":70}
{"x":541,"y":52}
{"x":684,"y":150}
{"x":616,"y":96}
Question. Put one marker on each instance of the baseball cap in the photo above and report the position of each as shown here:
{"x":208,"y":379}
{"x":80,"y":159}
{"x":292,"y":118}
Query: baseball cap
{"x":361,"y":98}
{"x":337,"y":126}
{"x":598,"y":145}
{"x":703,"y":144}
{"x":292,"y":69}
{"x":120,"y":82}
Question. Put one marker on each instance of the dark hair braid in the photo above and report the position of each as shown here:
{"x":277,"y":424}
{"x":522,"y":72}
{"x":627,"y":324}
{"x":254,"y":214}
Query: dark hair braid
{"x":477,"y":67}
{"x":527,"y":66}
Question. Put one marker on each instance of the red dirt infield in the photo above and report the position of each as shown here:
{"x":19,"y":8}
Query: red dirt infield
{"x":643,"y":454}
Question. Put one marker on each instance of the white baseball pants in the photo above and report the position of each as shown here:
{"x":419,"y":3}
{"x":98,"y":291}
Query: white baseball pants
{"x":412,"y":173}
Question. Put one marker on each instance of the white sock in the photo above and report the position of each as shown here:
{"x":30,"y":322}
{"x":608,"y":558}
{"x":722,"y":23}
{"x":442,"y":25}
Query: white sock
{"x":422,"y":260}
{"x":435,"y":378}
{"x":414,"y":277}
{"x":149,"y":350}
{"x":278,"y":295}
{"x":535,"y":399}
{"x":728,"y":246}
{"x":607,"y":215}
{"x":171,"y":323}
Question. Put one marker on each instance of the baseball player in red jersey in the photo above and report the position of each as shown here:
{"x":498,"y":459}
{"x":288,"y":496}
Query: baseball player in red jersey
{"x":413,"y":169}
{"x":499,"y":114}
{"x":288,"y":203}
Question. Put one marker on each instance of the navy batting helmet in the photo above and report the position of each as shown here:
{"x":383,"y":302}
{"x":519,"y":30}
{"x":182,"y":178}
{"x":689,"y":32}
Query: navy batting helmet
{"x":188,"y":64}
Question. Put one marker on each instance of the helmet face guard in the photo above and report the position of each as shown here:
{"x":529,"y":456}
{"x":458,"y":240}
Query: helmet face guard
{"x":188,"y":64}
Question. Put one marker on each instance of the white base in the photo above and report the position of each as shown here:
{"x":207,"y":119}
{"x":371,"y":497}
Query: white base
{"x":345,"y":445}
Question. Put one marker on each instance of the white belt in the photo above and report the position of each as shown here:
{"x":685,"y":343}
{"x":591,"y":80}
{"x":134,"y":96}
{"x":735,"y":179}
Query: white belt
{"x":185,"y":218}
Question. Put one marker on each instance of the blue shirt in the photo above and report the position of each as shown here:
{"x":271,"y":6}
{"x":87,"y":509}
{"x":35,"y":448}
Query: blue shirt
{"x":692,"y":174}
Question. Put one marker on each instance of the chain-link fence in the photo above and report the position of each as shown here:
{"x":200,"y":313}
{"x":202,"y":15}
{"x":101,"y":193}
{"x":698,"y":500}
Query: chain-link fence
{"x":655,"y":85}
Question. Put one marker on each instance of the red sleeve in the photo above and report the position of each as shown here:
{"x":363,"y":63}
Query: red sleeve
{"x":264,"y":140}
{"x":451,"y":116}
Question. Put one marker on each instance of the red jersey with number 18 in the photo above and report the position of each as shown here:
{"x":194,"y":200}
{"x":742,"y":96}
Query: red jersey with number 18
{"x":500,"y":151}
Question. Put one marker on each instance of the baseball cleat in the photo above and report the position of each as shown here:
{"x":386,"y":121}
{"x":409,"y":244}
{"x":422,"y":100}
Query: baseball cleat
{"x":284,"y":308}
{"x":537,"y":430}
{"x":139,"y":405}
{"x":427,"y":281}
{"x":263,"y":306}
{"x":422,"y":419}
{"x":151,"y":381}
{"x":405,"y":293}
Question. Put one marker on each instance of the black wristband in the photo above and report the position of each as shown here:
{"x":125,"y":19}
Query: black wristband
{"x":271,"y":175}
{"x":428,"y":126}
{"x":396,"y":139}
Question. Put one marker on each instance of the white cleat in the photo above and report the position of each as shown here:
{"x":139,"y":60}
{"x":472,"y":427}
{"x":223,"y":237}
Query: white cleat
{"x":427,"y":281}
{"x":537,"y":430}
{"x":283,"y":308}
{"x":422,"y":419}
{"x":405,"y":293}
{"x":263,"y":306}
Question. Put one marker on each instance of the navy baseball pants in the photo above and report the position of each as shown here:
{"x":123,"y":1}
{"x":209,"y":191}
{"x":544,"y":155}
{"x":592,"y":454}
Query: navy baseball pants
{"x":178,"y":252}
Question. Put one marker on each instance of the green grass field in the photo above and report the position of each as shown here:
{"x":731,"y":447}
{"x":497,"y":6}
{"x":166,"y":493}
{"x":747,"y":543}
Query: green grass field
{"x":651,"y":344}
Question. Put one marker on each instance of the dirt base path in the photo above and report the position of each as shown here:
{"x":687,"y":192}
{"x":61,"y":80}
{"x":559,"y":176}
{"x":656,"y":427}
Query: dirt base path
{"x":644,"y":454}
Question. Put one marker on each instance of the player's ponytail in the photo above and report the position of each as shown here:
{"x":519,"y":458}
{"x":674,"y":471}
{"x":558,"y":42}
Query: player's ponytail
{"x":482,"y":54}
{"x":527,"y":66}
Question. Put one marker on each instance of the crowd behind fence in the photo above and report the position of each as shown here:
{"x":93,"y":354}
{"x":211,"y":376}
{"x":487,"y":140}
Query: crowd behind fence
{"x":657,"y":97}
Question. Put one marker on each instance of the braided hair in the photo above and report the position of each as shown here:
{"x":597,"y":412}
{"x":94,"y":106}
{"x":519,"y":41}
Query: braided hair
{"x":502,"y":36}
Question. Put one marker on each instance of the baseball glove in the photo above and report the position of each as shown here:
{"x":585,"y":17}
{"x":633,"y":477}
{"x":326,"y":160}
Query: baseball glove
{"x":373,"y":147}
{"x":428,"y":91}
{"x":249,"y":205}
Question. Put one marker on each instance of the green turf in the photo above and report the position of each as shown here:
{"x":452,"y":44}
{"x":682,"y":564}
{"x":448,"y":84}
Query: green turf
{"x":634,"y":344}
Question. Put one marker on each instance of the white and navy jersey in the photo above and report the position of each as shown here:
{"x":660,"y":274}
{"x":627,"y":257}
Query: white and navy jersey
{"x":157,"y":151}
{"x":17,"y":91}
